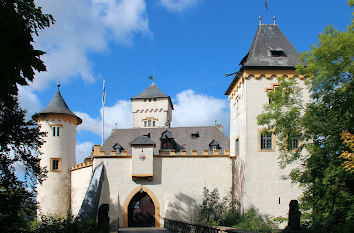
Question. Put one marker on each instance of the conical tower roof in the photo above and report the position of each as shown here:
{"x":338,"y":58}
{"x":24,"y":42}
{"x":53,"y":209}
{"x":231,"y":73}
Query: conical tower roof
{"x":151,"y":92}
{"x":57,"y":106}
{"x":270,"y":48}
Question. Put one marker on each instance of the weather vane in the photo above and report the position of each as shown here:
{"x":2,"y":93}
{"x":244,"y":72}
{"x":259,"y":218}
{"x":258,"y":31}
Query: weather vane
{"x":152,"y":77}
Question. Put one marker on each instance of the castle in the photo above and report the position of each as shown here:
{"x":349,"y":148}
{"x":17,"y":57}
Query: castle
{"x":153,"y":171}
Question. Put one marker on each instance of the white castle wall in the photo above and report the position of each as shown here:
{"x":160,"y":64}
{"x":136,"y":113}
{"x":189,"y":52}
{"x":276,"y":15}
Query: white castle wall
{"x":80,"y":181}
{"x":160,"y":109}
{"x":177,"y":183}
{"x":262,"y":185}
{"x":56,"y":188}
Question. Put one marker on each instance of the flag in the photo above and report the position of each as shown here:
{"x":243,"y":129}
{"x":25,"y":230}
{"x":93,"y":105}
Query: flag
{"x":104,"y":92}
{"x":266,"y":4}
{"x":151,"y":77}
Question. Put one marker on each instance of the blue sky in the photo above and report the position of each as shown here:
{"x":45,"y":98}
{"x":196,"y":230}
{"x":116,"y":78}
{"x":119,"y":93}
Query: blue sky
{"x":190,"y":44}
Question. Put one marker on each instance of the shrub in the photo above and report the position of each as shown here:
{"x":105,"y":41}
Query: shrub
{"x":252,"y":220}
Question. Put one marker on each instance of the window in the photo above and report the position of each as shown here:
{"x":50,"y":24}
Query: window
{"x":195,"y":135}
{"x":294,"y":143}
{"x":237,"y":147}
{"x":55,"y":164}
{"x":149,"y":100}
{"x":214,"y":145}
{"x":150,"y":122}
{"x":56,"y":130}
{"x":277,"y":53}
{"x":266,"y":140}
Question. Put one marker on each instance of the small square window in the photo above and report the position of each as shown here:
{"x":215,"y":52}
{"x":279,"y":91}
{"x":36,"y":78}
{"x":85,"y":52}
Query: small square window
{"x":145,"y":123}
{"x":55,"y":164}
{"x":153,"y":123}
{"x":149,"y":123}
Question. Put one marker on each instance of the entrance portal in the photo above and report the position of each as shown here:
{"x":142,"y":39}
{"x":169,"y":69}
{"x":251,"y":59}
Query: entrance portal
{"x":141,"y":211}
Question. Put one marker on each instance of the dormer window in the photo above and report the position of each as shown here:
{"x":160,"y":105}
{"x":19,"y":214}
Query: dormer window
{"x":118,"y":148}
{"x":167,"y":141}
{"x":214,"y":145}
{"x":277,"y":53}
{"x":195,"y":135}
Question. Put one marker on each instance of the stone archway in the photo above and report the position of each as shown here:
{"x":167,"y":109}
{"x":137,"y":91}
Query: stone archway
{"x":140,"y":204}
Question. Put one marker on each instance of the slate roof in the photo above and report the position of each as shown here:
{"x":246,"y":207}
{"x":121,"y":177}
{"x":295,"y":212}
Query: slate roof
{"x":151,"y":92}
{"x":143,"y":140}
{"x":57,"y":106}
{"x":269,"y":37}
{"x":181,"y":135}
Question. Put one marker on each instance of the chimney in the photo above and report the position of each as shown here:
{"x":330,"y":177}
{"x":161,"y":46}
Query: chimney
{"x":220,"y":127}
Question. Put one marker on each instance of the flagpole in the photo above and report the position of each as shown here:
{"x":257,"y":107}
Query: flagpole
{"x":103,"y":102}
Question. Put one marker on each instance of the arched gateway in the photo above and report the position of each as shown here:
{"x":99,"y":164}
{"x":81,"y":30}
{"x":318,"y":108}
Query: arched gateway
{"x":141,"y":209}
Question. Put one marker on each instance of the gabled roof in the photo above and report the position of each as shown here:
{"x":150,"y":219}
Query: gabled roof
{"x":57,"y":106}
{"x":143,"y":140}
{"x":269,"y":38}
{"x":151,"y":92}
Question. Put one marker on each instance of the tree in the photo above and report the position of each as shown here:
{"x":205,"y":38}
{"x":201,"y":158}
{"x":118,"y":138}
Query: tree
{"x":329,"y":188}
{"x":19,"y":139}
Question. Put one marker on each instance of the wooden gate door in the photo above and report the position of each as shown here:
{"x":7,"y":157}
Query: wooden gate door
{"x":141,"y":211}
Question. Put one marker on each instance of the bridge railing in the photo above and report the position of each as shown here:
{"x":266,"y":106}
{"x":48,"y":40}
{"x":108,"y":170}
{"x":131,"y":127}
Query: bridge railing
{"x":180,"y":226}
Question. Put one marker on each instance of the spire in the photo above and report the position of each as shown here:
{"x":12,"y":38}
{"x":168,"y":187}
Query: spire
{"x":57,"y":106}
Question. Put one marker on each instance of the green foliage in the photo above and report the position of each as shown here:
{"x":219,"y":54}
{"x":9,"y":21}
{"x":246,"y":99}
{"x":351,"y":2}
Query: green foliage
{"x":328,"y":199}
{"x":252,"y":220}
{"x":19,"y":138}
{"x":226,"y":213}
{"x":62,"y":225}
{"x":19,"y":19}
{"x":212,"y":208}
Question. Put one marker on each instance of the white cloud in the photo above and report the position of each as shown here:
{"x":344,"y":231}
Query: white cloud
{"x":178,"y":5}
{"x":119,"y":113}
{"x":82,"y":27}
{"x":83,"y":150}
{"x":28,"y":100}
{"x":192,"y":109}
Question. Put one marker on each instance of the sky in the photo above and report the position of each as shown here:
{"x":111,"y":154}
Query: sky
{"x":188,"y":44}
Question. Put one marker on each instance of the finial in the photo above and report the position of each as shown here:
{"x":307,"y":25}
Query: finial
{"x":260,"y":20}
{"x":58,"y":85}
{"x":274,"y":20}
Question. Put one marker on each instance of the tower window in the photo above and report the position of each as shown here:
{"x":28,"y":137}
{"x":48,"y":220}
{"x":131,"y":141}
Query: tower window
{"x":56,"y":131}
{"x":55,"y":164}
{"x":277,"y":53}
{"x":149,"y":123}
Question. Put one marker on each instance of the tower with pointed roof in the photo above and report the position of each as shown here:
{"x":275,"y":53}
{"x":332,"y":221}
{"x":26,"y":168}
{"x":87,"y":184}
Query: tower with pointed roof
{"x":258,"y":176}
{"x":57,"y":155}
{"x":152,"y":108}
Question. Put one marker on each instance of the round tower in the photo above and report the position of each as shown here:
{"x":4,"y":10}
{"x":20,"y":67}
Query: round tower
{"x":57,"y":155}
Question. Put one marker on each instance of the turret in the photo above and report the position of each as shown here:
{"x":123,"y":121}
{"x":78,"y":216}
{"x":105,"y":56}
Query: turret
{"x":57,"y":155}
{"x":152,"y":108}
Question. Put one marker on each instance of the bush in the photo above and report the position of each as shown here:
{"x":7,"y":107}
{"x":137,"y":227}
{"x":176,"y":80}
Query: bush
{"x":252,"y":220}
{"x":62,"y":225}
